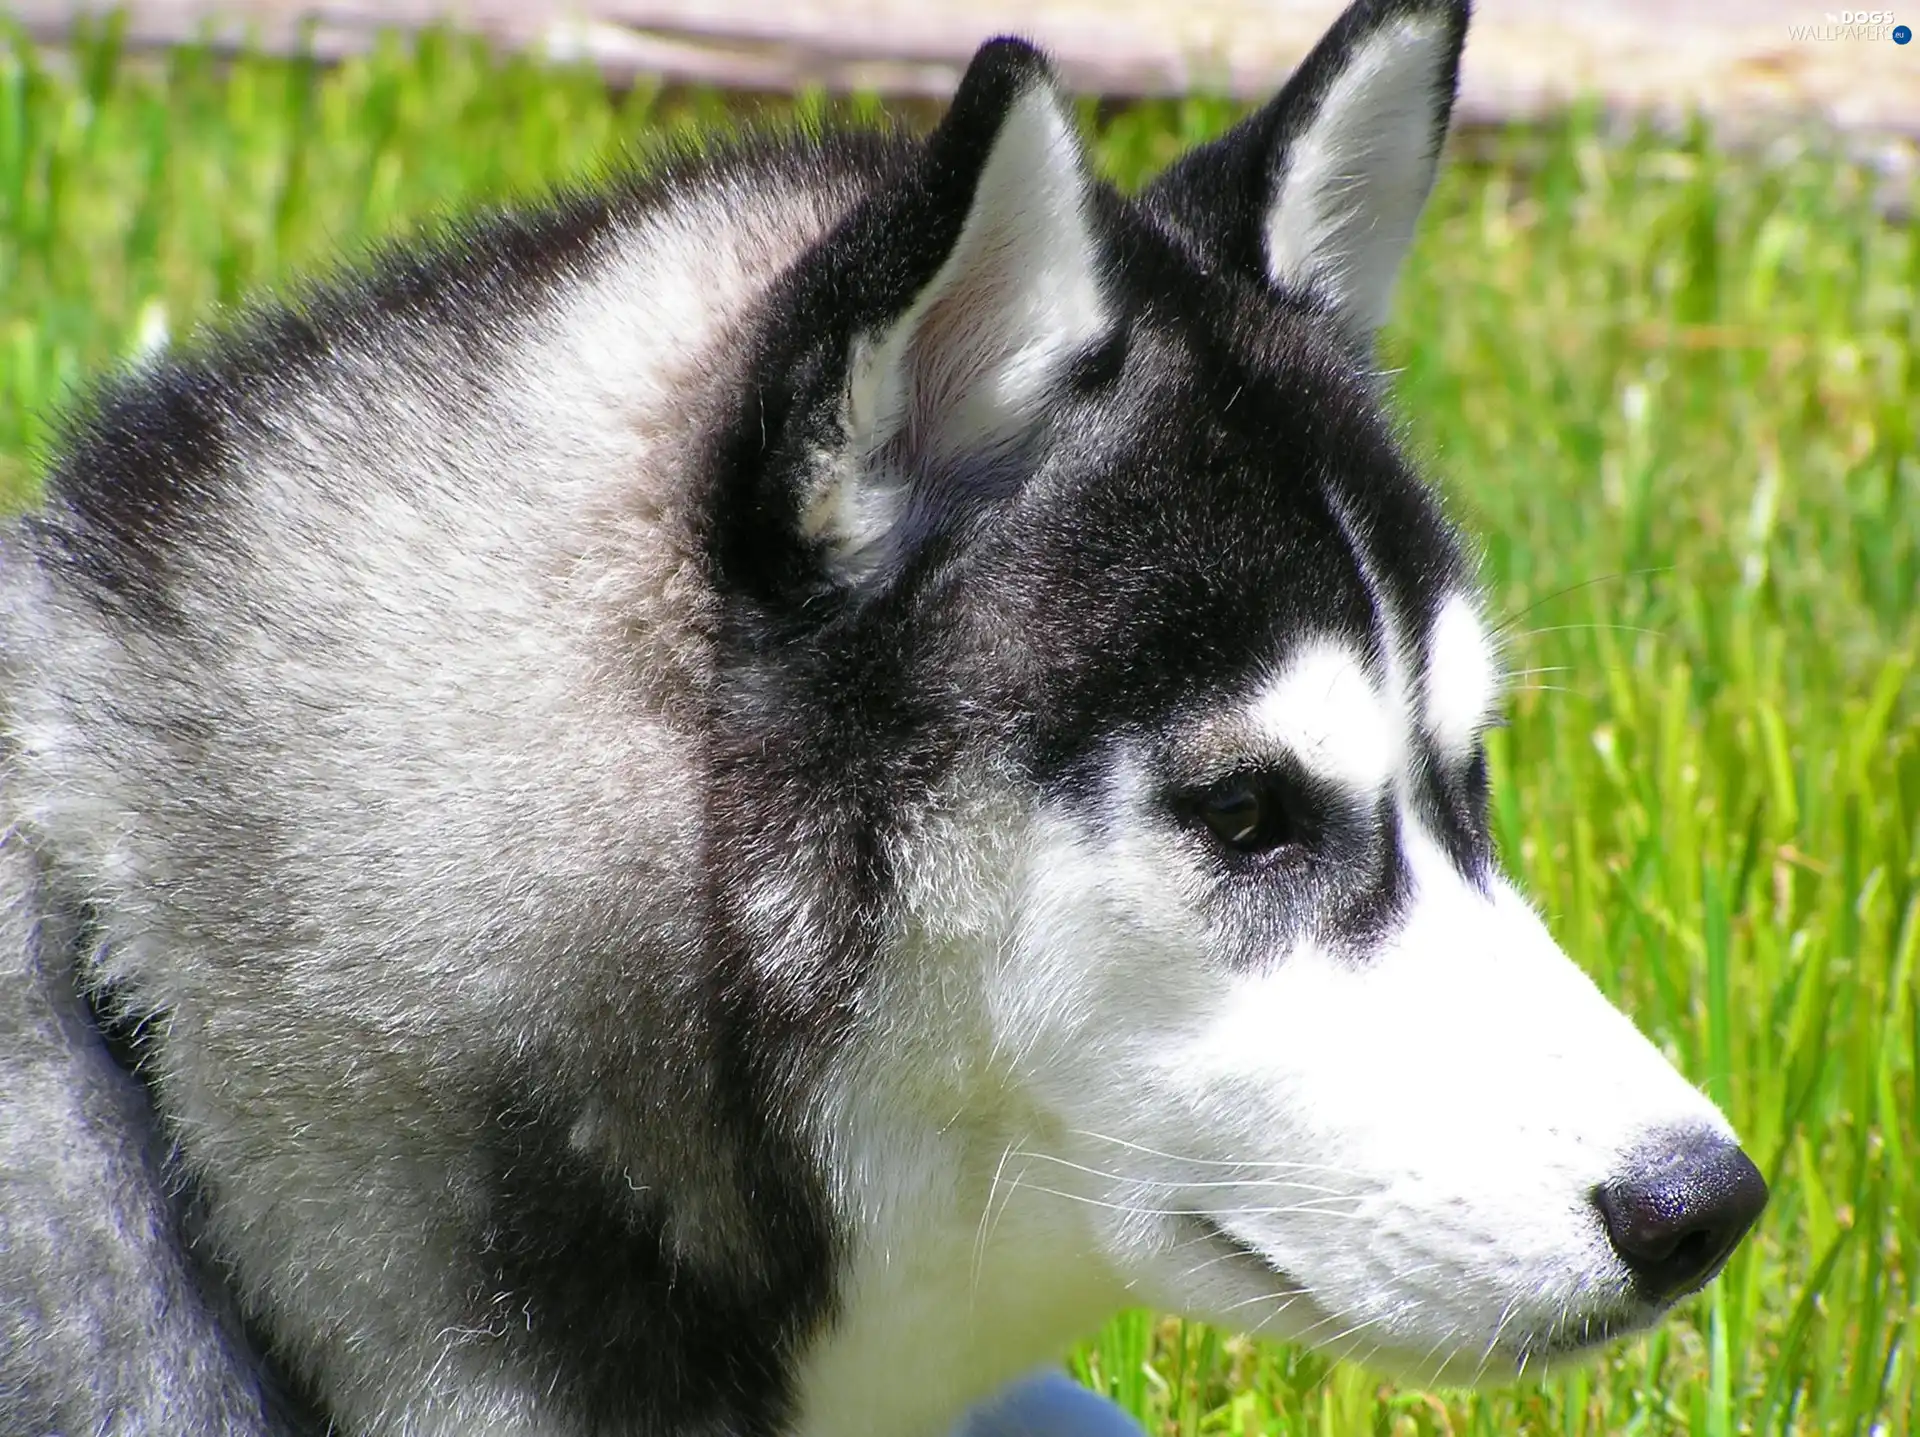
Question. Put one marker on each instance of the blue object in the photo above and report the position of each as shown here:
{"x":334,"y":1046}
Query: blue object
{"x":1902,"y":34}
{"x":1048,"y":1404}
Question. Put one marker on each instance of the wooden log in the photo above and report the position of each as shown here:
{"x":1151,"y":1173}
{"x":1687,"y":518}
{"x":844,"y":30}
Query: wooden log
{"x":1742,"y":61}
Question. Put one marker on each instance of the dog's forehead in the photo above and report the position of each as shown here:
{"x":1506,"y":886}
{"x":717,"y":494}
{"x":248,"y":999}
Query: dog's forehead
{"x":1358,"y":720}
{"x":1254,"y":533}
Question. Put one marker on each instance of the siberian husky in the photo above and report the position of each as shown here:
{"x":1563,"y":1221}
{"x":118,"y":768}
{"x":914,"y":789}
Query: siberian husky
{"x":741,"y":803}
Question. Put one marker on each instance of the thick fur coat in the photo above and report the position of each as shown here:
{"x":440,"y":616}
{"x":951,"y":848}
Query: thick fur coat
{"x":738,"y":804}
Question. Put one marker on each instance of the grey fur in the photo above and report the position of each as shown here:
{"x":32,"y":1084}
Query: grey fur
{"x":254,"y":808}
{"x":109,"y":1325}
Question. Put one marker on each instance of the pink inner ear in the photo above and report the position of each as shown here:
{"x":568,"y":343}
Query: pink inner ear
{"x":958,"y":348}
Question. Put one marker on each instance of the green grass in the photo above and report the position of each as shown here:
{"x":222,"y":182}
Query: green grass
{"x":1675,"y":390}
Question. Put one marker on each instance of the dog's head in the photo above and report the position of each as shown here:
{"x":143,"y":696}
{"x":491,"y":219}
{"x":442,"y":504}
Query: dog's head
{"x":1171,"y":680}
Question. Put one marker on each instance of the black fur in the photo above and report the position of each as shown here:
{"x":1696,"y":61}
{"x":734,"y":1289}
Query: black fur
{"x":624,"y":1327}
{"x":1215,"y":199}
{"x":861,"y":277}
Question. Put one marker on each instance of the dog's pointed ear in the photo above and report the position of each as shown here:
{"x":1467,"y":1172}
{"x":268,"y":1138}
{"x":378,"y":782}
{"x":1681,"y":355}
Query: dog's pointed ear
{"x":978,"y":290}
{"x":1319,"y":192}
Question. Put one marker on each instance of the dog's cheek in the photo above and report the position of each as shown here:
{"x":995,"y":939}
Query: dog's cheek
{"x":1109,"y":952}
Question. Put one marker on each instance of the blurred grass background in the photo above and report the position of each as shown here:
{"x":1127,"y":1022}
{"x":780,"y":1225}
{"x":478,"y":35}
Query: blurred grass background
{"x":1674,"y":390}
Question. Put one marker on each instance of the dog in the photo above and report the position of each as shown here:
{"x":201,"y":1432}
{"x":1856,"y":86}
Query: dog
{"x":741,"y":802}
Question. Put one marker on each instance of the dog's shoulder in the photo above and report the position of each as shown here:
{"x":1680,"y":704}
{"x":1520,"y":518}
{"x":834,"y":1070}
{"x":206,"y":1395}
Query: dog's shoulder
{"x":107,"y":1321}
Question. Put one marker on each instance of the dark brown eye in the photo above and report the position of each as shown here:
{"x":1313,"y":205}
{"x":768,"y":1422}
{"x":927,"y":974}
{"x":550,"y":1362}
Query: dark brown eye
{"x":1251,"y":814}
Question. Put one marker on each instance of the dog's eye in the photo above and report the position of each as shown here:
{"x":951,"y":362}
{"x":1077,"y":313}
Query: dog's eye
{"x":1251,"y":814}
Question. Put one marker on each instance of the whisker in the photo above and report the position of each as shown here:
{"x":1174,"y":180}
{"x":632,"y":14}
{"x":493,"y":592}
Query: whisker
{"x":1590,"y":626}
{"x":1214,"y":1261}
{"x":1287,"y":1292}
{"x":1308,"y":1207}
{"x":1354,"y":1331}
{"x":1506,"y":1316}
{"x":983,"y":1232}
{"x":1545,"y":599}
{"x":1306,"y":1333}
{"x":1435,"y":1352}
{"x":1172,"y":1183}
{"x":1210,"y":1162}
{"x":1266,"y":1321}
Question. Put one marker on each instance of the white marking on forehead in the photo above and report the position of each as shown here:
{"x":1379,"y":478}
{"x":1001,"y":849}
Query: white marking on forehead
{"x":1463,"y":679}
{"x":1326,"y":709}
{"x":1393,"y":637}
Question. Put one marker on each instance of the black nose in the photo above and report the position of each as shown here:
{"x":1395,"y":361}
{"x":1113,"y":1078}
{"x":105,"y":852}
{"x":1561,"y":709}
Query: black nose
{"x":1680,"y":1211}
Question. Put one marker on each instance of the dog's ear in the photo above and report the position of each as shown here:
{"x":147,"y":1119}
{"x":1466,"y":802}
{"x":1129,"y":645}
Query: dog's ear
{"x":1318,"y":192}
{"x":974,"y":287}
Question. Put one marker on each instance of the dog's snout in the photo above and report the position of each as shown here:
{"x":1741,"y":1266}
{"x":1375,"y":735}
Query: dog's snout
{"x":1683,"y":1209}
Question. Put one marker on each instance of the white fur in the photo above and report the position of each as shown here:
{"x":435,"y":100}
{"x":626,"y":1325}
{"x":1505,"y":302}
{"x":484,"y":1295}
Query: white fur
{"x":963,"y":1275}
{"x":1409,"y":1141}
{"x":1326,"y":710}
{"x":1344,"y":211}
{"x":1392,"y":633}
{"x":1463,"y":677}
